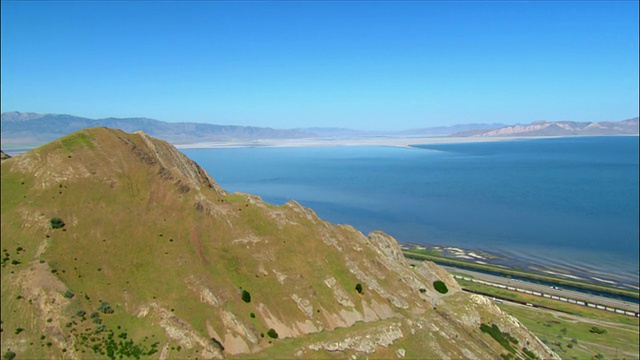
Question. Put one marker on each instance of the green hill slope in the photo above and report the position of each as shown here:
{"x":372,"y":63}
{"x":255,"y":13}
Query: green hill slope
{"x":117,"y":245}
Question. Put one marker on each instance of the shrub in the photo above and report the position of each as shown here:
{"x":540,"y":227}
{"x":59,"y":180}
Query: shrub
{"x":597,"y":330}
{"x":253,"y":316}
{"x":105,"y":308}
{"x":9,"y":355}
{"x":440,"y":287}
{"x":530,"y":354}
{"x":56,"y":223}
{"x":272,"y":334}
{"x":497,"y":335}
{"x":68,"y":294}
{"x":423,"y":290}
{"x":246,"y":297}
{"x":359,"y":288}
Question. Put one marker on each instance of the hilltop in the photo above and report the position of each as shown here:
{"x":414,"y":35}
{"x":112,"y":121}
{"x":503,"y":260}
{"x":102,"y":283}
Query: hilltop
{"x":117,"y":244}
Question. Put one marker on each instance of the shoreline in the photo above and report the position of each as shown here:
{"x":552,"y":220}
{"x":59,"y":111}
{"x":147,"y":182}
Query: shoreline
{"x":387,"y":141}
{"x":570,"y":273}
{"x":404,"y":142}
{"x":382,"y":140}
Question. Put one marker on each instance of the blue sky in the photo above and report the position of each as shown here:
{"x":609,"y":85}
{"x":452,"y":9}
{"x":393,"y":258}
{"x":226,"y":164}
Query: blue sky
{"x":357,"y":64}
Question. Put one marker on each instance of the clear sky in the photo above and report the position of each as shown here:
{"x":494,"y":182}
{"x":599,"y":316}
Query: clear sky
{"x":358,"y":64}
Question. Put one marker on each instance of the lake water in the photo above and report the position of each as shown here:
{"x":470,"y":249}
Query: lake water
{"x":565,"y":204}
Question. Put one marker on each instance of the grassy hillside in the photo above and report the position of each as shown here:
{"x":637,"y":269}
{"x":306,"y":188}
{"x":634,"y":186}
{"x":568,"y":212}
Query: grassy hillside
{"x":156,"y":260}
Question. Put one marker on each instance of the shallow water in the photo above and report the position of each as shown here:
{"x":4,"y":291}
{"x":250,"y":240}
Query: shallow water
{"x":565,"y":203}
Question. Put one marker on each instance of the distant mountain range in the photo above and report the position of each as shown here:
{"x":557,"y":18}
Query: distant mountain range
{"x":27,"y":130}
{"x":30,"y":128}
{"x":558,"y":128}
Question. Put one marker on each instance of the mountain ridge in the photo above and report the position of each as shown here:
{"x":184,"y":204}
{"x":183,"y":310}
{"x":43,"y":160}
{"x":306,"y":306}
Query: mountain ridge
{"x":32,"y":128}
{"x":28,"y":130}
{"x":113,"y":235}
{"x":559,"y":128}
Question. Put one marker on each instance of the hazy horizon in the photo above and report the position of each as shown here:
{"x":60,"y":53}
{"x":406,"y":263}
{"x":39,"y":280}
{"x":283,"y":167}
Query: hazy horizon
{"x":379,"y":66}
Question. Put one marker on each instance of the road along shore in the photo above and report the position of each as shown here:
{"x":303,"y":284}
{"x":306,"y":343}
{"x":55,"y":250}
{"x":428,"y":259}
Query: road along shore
{"x":555,"y":293}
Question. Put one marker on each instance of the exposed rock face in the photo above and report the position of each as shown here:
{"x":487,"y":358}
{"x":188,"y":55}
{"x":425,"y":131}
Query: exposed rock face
{"x":367,"y":342}
{"x":151,"y":233}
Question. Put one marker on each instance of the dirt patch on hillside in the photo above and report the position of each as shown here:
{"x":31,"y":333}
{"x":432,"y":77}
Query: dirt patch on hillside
{"x":196,"y":241}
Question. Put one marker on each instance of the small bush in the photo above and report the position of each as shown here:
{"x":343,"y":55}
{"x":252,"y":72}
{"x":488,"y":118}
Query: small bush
{"x":423,"y":290}
{"x":529,"y":353}
{"x":68,"y":294}
{"x":105,"y":308}
{"x":246,"y":297}
{"x":272,"y":334}
{"x":253,"y":316}
{"x":9,"y":355}
{"x":359,"y":288}
{"x":440,"y":287}
{"x":56,"y":223}
{"x":597,"y":330}
{"x":497,"y":335}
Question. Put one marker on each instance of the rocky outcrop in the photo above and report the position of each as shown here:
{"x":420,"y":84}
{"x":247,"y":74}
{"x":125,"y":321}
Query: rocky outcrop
{"x":365,"y":342}
{"x":180,"y":331}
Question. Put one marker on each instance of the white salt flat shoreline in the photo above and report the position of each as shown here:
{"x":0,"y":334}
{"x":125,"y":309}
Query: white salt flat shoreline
{"x":395,"y":141}
{"x":364,"y":141}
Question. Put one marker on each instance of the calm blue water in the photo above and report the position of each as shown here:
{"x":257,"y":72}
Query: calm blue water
{"x":568,"y":203}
